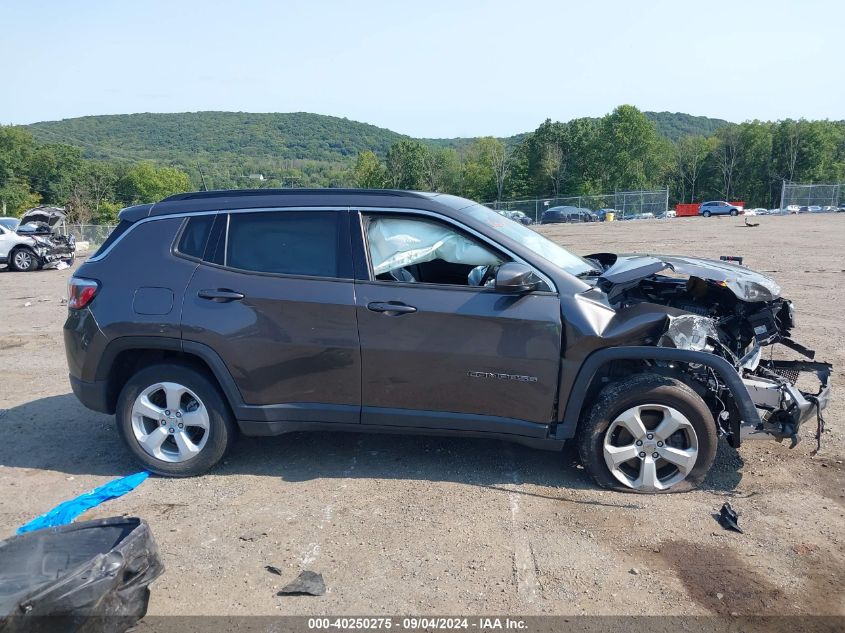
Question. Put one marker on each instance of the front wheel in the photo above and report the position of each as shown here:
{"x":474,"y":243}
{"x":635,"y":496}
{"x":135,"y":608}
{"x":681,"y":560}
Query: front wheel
{"x":23,"y":260}
{"x":734,"y":212}
{"x":174,"y":420}
{"x":648,"y":434}
{"x":706,"y":214}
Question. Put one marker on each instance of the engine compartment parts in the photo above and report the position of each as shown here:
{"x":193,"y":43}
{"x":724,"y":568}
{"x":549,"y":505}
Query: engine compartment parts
{"x":89,"y":576}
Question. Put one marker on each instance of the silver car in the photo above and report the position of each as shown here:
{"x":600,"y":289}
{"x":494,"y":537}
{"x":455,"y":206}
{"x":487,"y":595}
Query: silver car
{"x":718,"y":207}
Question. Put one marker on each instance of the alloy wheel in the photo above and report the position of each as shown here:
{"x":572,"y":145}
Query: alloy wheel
{"x":170,"y":422}
{"x":23,"y":260}
{"x":650,"y":447}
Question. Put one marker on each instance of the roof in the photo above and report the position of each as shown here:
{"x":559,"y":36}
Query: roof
{"x":198,"y":201}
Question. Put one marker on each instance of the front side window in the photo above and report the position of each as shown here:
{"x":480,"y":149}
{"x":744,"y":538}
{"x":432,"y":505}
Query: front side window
{"x":288,"y":242}
{"x":416,"y":250}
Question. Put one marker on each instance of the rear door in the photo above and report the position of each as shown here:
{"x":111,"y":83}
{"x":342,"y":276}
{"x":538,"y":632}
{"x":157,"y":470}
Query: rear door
{"x":438,"y":352}
{"x":274,"y":298}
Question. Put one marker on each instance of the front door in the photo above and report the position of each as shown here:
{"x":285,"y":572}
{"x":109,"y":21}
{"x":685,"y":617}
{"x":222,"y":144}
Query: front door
{"x":440,"y":347}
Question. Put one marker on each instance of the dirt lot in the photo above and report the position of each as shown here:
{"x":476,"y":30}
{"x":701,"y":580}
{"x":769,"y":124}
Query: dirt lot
{"x":415,"y":525}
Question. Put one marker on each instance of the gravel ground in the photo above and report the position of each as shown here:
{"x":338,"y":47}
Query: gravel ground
{"x":420,"y":525}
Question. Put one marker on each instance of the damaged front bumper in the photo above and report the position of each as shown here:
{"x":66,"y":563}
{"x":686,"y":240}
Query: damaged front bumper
{"x":782,"y":405}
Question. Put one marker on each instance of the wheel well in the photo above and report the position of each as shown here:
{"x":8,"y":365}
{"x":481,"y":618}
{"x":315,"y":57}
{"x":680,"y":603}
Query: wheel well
{"x":617,"y":369}
{"x":130,"y":361}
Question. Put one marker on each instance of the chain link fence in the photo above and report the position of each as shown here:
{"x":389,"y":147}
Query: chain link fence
{"x":626,"y":204}
{"x":824,"y":196}
{"x":93,"y":234}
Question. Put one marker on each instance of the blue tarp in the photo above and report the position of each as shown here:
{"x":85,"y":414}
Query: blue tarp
{"x":67,"y":511}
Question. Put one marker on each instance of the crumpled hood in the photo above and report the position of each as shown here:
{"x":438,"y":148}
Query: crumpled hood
{"x":50,"y":216}
{"x":626,"y":270}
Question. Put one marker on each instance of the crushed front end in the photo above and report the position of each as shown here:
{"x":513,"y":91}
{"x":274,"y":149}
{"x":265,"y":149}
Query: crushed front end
{"x":733,"y":312}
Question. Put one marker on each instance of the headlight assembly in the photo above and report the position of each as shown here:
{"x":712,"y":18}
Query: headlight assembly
{"x":690,"y":331}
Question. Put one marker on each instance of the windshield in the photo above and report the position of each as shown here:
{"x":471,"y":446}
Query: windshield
{"x":9,"y":223}
{"x":544,"y":247}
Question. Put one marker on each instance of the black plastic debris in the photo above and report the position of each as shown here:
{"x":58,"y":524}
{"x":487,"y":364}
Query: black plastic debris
{"x":273,"y":569}
{"x":308,"y":583}
{"x":729,"y":519}
{"x":78,"y":578}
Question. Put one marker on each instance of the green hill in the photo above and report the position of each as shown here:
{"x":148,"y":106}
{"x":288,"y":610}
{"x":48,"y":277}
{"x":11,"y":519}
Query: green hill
{"x":200,"y":135}
{"x":674,"y":125}
{"x":186,"y":138}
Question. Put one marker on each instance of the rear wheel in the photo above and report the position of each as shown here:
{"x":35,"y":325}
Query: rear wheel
{"x":648,"y":434}
{"x":706,"y":214}
{"x":174,"y":420}
{"x":734,"y":212}
{"x":23,"y":260}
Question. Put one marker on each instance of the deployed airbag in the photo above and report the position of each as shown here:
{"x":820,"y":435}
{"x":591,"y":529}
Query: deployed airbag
{"x":397,"y":243}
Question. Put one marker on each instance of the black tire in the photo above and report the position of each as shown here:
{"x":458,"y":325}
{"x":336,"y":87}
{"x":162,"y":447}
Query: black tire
{"x":31,"y":262}
{"x":734,"y":212}
{"x":643,"y":389}
{"x":706,"y":214}
{"x":222,"y":429}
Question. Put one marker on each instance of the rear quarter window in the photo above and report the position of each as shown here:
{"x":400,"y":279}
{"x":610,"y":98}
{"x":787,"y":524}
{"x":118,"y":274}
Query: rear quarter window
{"x":195,"y":235}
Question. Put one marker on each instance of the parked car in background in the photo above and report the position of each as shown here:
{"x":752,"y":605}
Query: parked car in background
{"x":601,"y":214}
{"x":757,"y":211}
{"x":718,"y":207}
{"x":9,"y":222}
{"x":804,"y":209}
{"x":521,"y":217}
{"x":840,"y":208}
{"x":828,"y":209}
{"x":671,"y":213}
{"x":399,"y":311}
{"x":792,"y":208}
{"x":815,"y":208}
{"x":558,"y":215}
{"x":31,"y":243}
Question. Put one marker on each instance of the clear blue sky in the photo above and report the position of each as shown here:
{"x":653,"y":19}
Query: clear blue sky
{"x":425,"y":67}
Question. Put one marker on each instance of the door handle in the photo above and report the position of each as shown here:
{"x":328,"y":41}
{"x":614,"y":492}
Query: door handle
{"x":390,"y":308}
{"x":220,"y":295}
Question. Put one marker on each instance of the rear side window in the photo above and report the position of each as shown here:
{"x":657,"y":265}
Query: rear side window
{"x":195,"y":235}
{"x":289,"y":242}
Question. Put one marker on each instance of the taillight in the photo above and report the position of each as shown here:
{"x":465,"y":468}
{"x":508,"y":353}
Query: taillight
{"x":80,"y":292}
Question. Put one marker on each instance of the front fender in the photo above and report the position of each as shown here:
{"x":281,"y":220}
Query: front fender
{"x":726,"y":372}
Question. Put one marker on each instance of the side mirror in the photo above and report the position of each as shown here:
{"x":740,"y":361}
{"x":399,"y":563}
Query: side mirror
{"x":516,"y":277}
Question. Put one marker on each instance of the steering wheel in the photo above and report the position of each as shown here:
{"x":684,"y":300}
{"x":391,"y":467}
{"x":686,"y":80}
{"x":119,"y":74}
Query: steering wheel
{"x":485,"y":277}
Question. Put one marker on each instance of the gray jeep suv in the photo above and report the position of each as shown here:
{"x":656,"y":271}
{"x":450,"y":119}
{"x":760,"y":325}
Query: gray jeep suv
{"x":267,"y":312}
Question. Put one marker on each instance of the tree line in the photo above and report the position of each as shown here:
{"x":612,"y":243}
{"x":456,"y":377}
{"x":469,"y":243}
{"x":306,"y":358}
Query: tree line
{"x":621,"y":151}
{"x":92,"y":191}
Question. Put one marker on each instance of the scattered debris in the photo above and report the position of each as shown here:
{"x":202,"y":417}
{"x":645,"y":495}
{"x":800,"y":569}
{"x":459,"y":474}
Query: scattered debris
{"x":751,"y":224}
{"x":67,"y":511}
{"x":308,"y":583}
{"x":27,"y":304}
{"x":273,"y":569}
{"x":803,"y":549}
{"x":634,"y":571}
{"x":88,"y":576}
{"x":252,"y":536}
{"x":729,"y":519}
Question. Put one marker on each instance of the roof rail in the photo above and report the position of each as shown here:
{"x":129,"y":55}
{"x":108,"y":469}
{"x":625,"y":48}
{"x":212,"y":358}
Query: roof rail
{"x":237,"y":193}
